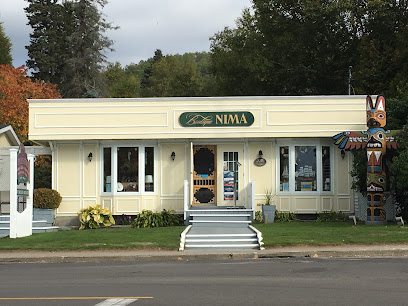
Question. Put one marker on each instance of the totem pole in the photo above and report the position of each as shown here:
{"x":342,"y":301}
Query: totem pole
{"x":375,"y":140}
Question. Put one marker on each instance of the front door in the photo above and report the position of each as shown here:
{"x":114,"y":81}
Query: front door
{"x":205,"y":175}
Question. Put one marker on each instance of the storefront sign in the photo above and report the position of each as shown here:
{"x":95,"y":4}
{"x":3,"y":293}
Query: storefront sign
{"x":216,"y":119}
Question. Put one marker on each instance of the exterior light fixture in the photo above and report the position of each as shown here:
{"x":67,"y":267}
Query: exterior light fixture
{"x":260,"y":161}
{"x":173,"y":156}
{"x":343,"y":154}
{"x":90,"y":156}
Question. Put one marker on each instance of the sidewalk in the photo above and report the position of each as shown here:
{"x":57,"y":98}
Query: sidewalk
{"x":342,"y":251}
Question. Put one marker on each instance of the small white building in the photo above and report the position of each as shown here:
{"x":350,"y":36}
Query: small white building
{"x":180,"y":153}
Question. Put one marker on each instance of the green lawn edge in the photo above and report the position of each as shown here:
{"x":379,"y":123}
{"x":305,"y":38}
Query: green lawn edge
{"x":168,"y":238}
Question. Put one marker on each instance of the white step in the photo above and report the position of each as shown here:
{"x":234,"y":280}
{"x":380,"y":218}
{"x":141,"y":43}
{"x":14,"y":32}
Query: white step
{"x":221,"y":245}
{"x":221,"y":240}
{"x":220,"y":235}
{"x":220,"y":221}
{"x":220,"y":215}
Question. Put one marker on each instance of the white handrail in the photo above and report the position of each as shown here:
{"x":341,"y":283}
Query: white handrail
{"x":252,"y":198}
{"x":186,"y":198}
{"x":183,"y":238}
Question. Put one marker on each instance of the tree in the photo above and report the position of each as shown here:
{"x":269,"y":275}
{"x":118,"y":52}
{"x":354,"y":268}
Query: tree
{"x":5,"y":47}
{"x":15,"y":89}
{"x":67,"y":44}
{"x":121,"y":84}
{"x":302,"y":47}
{"x":145,"y":82}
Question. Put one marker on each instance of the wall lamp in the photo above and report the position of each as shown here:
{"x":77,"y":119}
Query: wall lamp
{"x":90,"y":156}
{"x":260,"y":161}
{"x":343,"y":154}
{"x":173,"y":156}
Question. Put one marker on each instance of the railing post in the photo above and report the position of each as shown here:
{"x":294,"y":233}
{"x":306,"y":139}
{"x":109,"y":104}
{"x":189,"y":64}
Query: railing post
{"x":252,"y":198}
{"x":186,"y":198}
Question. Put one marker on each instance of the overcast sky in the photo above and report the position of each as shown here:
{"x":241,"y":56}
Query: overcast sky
{"x":174,"y":26}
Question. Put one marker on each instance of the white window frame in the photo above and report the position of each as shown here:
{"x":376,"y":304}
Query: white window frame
{"x":292,"y":143}
{"x":114,"y":165}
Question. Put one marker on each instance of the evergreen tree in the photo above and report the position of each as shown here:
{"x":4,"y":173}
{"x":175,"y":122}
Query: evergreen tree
{"x":5,"y":47}
{"x":67,"y":44}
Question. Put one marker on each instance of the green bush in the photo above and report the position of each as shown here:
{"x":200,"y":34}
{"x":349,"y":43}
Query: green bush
{"x":46,"y":198}
{"x":147,"y":218}
{"x":94,"y":217}
{"x":331,"y":216}
{"x":258,"y":216}
{"x":285,"y":216}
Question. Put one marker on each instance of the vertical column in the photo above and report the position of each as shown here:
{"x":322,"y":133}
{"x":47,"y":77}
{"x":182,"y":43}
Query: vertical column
{"x":13,"y":193}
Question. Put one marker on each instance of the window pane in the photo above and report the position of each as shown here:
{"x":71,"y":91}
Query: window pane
{"x":284,"y":168}
{"x":107,"y":168}
{"x":128,"y":169}
{"x":231,"y":173}
{"x":305,"y":170}
{"x":326,"y":169}
{"x":149,"y":166}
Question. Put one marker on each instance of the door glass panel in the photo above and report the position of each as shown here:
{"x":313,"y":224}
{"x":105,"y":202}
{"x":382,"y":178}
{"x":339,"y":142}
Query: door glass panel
{"x":231,"y":175}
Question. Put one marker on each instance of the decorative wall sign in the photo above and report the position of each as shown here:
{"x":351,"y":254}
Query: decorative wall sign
{"x":260,"y":161}
{"x":216,"y":119}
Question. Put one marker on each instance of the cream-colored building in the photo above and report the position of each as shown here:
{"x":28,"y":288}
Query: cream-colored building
{"x":180,"y":153}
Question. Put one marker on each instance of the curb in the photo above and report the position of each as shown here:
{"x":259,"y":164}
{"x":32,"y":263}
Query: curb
{"x":138,"y":256}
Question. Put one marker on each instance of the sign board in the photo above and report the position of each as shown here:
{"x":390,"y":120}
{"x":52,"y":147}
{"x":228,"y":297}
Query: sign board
{"x":216,"y":119}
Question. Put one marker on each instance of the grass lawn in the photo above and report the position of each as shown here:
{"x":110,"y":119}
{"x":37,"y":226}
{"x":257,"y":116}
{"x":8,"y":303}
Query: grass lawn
{"x":324,"y":233}
{"x":103,"y":238}
{"x":291,"y":233}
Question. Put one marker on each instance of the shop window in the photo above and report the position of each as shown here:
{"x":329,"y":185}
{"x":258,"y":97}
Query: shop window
{"x":284,"y":168}
{"x":326,"y":170}
{"x":128,"y":169}
{"x":305,"y":168}
{"x":149,"y":169}
{"x":107,"y":170}
{"x":230,"y":175}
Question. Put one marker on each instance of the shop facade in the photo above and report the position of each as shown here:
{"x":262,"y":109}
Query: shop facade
{"x":181,"y":154}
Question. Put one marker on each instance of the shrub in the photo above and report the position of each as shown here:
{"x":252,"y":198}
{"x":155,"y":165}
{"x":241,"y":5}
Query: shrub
{"x":331,"y":216}
{"x":94,"y":217}
{"x":46,"y":198}
{"x":285,"y":217}
{"x":258,"y":216}
{"x":147,"y":218}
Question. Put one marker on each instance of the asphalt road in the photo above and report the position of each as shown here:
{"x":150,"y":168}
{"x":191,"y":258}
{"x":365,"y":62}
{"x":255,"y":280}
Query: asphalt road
{"x":288,"y":281}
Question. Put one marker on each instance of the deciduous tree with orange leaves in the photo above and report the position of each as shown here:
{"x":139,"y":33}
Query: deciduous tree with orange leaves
{"x":15,"y":88}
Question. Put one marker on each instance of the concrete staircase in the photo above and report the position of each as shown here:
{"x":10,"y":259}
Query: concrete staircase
{"x":220,"y":229}
{"x":39,"y":225}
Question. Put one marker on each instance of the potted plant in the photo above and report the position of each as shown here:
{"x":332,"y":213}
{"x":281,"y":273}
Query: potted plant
{"x":45,"y":202}
{"x":268,"y":209}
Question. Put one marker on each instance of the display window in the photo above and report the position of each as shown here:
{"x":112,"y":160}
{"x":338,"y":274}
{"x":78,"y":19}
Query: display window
{"x":131,"y":167}
{"x":304,"y":168}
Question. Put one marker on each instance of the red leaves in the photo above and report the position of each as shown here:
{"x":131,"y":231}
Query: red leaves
{"x":15,"y":88}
